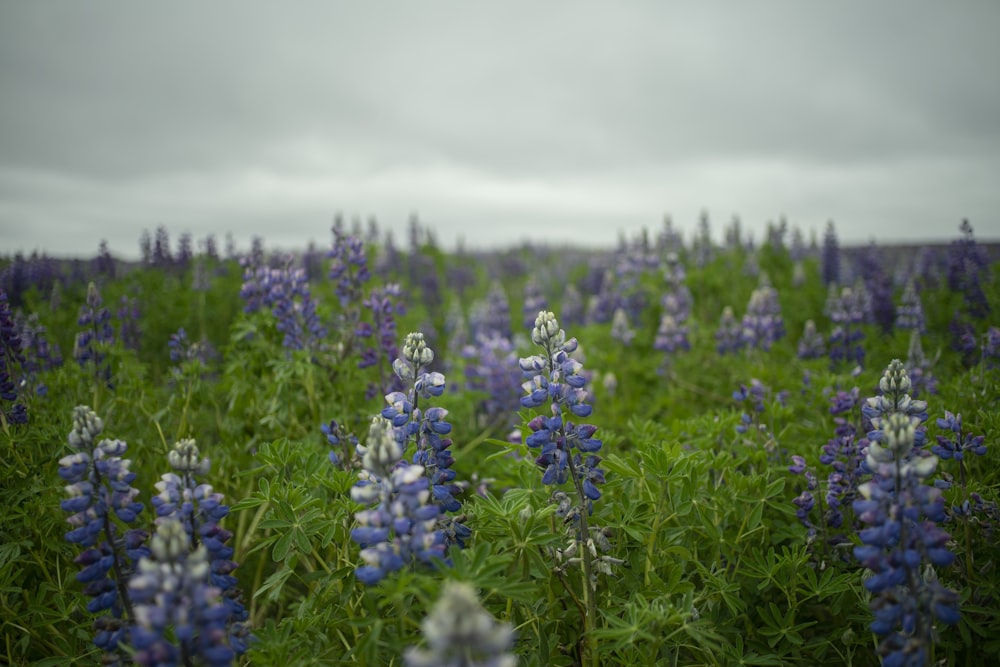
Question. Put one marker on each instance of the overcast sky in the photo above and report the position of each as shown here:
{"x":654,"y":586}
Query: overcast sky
{"x":498,"y":123}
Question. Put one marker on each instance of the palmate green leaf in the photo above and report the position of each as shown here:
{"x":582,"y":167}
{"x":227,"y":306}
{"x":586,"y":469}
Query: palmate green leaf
{"x":488,"y":570}
{"x":282,"y":546}
{"x":753,"y":658}
{"x":625,"y":467}
{"x":270,"y":589}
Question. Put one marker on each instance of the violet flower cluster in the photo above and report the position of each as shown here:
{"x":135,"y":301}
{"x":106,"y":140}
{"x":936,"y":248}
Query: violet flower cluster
{"x":342,"y":443}
{"x":671,"y":336}
{"x":910,"y":312}
{"x":534,"y":301}
{"x":12,"y":367}
{"x":763,"y":324}
{"x":811,"y":345}
{"x":102,"y":503}
{"x":830,"y":256}
{"x":491,"y":316}
{"x":848,"y":313}
{"x":492,"y":371}
{"x":672,"y":333}
{"x":40,"y":355}
{"x":181,"y":618}
{"x":349,"y":266}
{"x":957,"y":443}
{"x":843,"y":455}
{"x":183,"y":350}
{"x":554,"y":377}
{"x":903,"y":539}
{"x":199,"y":509}
{"x":426,"y":427}
{"x":384,"y":305}
{"x":878,"y":287}
{"x":968,"y":265}
{"x":399,"y":527}
{"x":129,"y":316}
{"x":601,"y":306}
{"x":729,"y":334}
{"x":286,"y":293}
{"x":95,"y":334}
{"x":621,"y":329}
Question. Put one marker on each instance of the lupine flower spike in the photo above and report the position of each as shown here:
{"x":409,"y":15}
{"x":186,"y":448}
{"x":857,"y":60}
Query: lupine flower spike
{"x":902,"y":542}
{"x":12,"y":363}
{"x":180,"y":616}
{"x":99,"y":489}
{"x":568,"y":453}
{"x":399,"y":528}
{"x":199,"y":509}
{"x":460,"y":633}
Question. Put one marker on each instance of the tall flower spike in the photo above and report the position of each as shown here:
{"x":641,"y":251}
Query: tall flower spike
{"x":492,"y":371}
{"x":811,"y":344}
{"x":426,"y":427}
{"x":100,"y":491}
{"x":199,"y":509}
{"x":96,"y":332}
{"x":763,"y":324}
{"x":400,"y":526}
{"x":728,"y":337}
{"x":901,"y":542}
{"x":621,"y":330}
{"x":460,"y":633}
{"x":12,"y":366}
{"x":555,"y":376}
{"x":568,"y":453}
{"x":895,"y":398}
{"x":180,"y":616}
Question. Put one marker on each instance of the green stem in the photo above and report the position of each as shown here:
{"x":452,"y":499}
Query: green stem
{"x":589,"y":598}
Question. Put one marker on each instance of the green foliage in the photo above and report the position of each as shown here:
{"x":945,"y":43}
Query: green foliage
{"x":716,"y":569}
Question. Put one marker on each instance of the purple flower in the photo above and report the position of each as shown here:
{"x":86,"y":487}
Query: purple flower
{"x":728,"y":336}
{"x":100,"y":501}
{"x":492,"y":371}
{"x":955,"y":446}
{"x":910,"y":313}
{"x":12,"y":367}
{"x":349,"y":266}
{"x":671,"y":337}
{"x":621,"y":330}
{"x":180,"y":616}
{"x":811,"y":345}
{"x":555,"y":377}
{"x":902,"y":538}
{"x":399,"y":528}
{"x":96,"y":334}
{"x":968,"y":265}
{"x":847,"y":312}
{"x":199,"y":509}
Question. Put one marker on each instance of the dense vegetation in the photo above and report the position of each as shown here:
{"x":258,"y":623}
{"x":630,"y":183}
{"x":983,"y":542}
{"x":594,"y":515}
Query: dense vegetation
{"x":733,"y":497}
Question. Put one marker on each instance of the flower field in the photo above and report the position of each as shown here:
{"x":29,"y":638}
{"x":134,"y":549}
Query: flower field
{"x":674,"y":452}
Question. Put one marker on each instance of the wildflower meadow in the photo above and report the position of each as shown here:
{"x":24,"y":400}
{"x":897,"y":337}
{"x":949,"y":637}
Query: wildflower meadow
{"x":679,"y":451}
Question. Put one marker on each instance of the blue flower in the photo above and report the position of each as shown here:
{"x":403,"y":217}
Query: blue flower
{"x":554,"y":377}
{"x":902,"y":537}
{"x":956,"y":446}
{"x":400,"y":526}
{"x":180,"y":616}
{"x":100,"y":500}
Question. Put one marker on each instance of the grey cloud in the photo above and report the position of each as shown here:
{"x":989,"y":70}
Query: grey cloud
{"x":497,"y":121}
